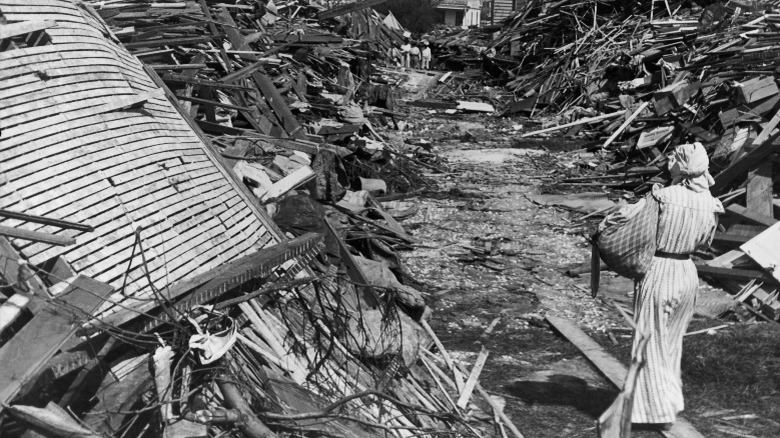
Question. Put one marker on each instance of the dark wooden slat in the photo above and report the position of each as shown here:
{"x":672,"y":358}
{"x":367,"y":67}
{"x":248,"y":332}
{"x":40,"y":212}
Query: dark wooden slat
{"x":348,"y":8}
{"x":24,"y":355}
{"x":732,"y":274}
{"x":197,"y":81}
{"x":172,"y":42}
{"x":45,"y":220}
{"x":732,"y":239}
{"x":749,"y":216}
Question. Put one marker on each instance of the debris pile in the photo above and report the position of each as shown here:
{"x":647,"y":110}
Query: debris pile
{"x":223,"y":260}
{"x":637,"y":83}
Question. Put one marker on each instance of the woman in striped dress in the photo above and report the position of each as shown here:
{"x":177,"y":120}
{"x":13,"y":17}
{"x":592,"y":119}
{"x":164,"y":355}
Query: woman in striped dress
{"x":665,"y":297}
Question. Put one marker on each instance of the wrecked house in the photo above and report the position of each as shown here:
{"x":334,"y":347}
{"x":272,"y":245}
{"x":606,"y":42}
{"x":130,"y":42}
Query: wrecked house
{"x":148,"y":287}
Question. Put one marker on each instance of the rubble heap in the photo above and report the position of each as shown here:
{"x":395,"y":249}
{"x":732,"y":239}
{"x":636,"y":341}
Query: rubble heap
{"x":212,"y":250}
{"x":635,"y":83}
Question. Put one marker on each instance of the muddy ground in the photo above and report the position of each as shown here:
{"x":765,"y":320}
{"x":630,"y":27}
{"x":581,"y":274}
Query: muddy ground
{"x":731,"y":376}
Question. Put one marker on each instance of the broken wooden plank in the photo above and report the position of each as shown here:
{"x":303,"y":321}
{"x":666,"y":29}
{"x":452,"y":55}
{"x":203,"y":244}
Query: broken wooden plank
{"x":749,"y":216}
{"x":673,"y":96}
{"x":731,"y":239}
{"x":36,"y":236}
{"x":730,"y":273}
{"x":576,"y":123}
{"x":757,"y":88}
{"x":183,"y":41}
{"x":611,"y":368}
{"x":295,"y":179}
{"x":626,"y":124}
{"x":748,"y":111}
{"x":653,"y":136}
{"x":276,"y":101}
{"x":763,"y":250}
{"x":45,"y":220}
{"x":473,"y":379}
{"x":40,"y":338}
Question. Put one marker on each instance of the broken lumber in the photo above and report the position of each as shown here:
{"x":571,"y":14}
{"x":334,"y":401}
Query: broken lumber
{"x":625,"y":124}
{"x":45,"y":220}
{"x":761,"y":150}
{"x":576,"y":123}
{"x":25,"y":353}
{"x":473,"y":379}
{"x":348,"y":8}
{"x":610,"y":367}
{"x":295,"y":179}
{"x":36,"y":236}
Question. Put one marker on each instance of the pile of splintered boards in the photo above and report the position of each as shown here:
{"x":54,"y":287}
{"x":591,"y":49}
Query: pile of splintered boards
{"x":637,"y":82}
{"x":173,"y":256}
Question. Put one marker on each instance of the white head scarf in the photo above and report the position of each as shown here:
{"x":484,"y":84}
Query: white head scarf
{"x":689,"y":166}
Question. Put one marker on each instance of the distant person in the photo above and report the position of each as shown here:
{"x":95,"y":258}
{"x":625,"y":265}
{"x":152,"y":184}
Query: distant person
{"x":426,"y":56}
{"x":406,"y":48}
{"x":395,"y":56}
{"x":414,"y":55}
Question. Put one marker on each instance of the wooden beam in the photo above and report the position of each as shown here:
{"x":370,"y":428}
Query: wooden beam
{"x":348,"y":8}
{"x":183,"y":41}
{"x":576,"y":123}
{"x":36,"y":236}
{"x":732,"y":239}
{"x":277,"y":103}
{"x":612,"y":368}
{"x":45,"y":220}
{"x":749,"y":216}
{"x":473,"y":379}
{"x":170,"y":77}
{"x":625,"y":124}
{"x":731,"y":274}
{"x":25,"y":353}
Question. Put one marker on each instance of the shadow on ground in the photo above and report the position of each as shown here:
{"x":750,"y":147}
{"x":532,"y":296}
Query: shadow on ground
{"x":564,"y":390}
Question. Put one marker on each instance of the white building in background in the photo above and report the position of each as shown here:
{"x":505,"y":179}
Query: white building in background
{"x":463,"y":13}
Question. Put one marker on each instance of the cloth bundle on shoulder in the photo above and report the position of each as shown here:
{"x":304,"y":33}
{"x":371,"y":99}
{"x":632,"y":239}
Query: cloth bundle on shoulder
{"x":626,"y":239}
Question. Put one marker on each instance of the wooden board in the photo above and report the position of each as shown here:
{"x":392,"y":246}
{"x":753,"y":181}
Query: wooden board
{"x":759,"y":189}
{"x":25,"y":353}
{"x":612,"y":368}
{"x":763,"y":249}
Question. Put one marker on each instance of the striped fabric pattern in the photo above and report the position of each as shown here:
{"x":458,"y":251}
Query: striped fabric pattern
{"x":665,"y":300}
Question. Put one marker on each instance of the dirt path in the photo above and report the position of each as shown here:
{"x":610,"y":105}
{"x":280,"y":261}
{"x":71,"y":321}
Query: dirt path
{"x":493,"y":262}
